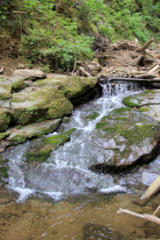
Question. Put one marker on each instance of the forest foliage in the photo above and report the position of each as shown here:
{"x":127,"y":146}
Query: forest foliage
{"x":66,"y":29}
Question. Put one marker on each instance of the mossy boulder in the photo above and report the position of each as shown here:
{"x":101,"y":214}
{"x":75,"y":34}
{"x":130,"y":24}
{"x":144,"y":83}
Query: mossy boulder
{"x":147,"y":102}
{"x":71,"y":86}
{"x":32,"y":104}
{"x":145,"y":98}
{"x":126,"y":137}
{"x":3,"y":168}
{"x":4,"y":119}
{"x":11,"y":84}
{"x":41,"y":148}
{"x":34,"y":130}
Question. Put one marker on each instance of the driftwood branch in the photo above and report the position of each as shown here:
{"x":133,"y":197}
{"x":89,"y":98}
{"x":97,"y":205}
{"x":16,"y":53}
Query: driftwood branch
{"x":146,"y":75}
{"x":154,"y":69}
{"x":145,"y":45}
{"x":152,"y":189}
{"x":19,"y":12}
{"x":84,"y":73}
{"x":146,"y":217}
{"x":4,"y":184}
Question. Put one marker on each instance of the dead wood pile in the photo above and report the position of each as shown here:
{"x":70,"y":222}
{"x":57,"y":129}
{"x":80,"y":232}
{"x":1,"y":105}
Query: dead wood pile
{"x":123,"y":59}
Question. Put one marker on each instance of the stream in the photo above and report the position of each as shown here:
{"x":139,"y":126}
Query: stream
{"x":82,"y":203}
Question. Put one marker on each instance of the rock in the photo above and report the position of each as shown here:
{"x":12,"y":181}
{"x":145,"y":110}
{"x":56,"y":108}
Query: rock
{"x":30,"y":74}
{"x":4,"y":119}
{"x":93,"y":69}
{"x":72,"y":87}
{"x":66,"y":180}
{"x":5,"y":89}
{"x":33,"y":104}
{"x":148,"y":178}
{"x":123,"y":138}
{"x":148,"y":102}
{"x":145,"y":98}
{"x":34,"y":130}
{"x":11,"y":84}
{"x":4,"y":134}
{"x":41,"y":148}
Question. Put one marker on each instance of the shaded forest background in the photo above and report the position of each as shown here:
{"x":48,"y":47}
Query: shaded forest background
{"x":72,"y":30}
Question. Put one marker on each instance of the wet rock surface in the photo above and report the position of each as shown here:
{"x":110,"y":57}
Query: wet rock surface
{"x":67,"y":180}
{"x":41,"y":148}
{"x":125,"y":137}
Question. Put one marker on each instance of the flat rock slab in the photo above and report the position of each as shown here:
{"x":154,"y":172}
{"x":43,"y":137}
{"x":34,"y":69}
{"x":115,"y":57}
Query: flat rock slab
{"x":145,"y":98}
{"x":41,"y":148}
{"x":148,"y":178}
{"x":30,"y":74}
{"x":34,"y":130}
{"x":44,"y":103}
{"x":123,"y":138}
{"x":72,"y":87}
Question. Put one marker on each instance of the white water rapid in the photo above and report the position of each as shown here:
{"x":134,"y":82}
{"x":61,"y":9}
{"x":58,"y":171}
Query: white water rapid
{"x":67,"y":171}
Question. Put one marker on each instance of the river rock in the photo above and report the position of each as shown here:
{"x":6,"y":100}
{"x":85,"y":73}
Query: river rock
{"x":48,"y":178}
{"x":123,"y":138}
{"x":41,"y":148}
{"x":34,"y":130}
{"x":147,"y":102}
{"x":71,"y":86}
{"x":5,"y":88}
{"x":148,"y":178}
{"x":4,"y":119}
{"x":145,"y":98}
{"x":33,"y":104}
{"x":30,"y":74}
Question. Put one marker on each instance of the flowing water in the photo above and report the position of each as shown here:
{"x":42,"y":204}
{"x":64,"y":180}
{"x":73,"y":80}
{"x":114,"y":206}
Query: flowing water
{"x":66,"y":171}
{"x":83,"y":204}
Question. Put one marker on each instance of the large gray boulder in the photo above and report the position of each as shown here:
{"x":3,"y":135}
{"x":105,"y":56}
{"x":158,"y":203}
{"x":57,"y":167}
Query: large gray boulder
{"x":123,"y":138}
{"x":30,"y":73}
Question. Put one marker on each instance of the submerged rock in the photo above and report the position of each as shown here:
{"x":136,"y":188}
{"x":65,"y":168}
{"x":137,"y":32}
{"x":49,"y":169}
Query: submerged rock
{"x":123,"y":138}
{"x":48,"y":178}
{"x":72,"y":87}
{"x":31,"y":105}
{"x":34,"y":130}
{"x":41,"y":148}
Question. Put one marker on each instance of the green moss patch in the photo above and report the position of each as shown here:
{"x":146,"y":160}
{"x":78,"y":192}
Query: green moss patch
{"x":4,"y":172}
{"x":143,"y":109}
{"x":128,"y":101}
{"x":41,"y":148}
{"x":93,"y":116}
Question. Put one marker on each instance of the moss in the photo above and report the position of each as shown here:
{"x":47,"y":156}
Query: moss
{"x":41,"y":152}
{"x":101,"y":125}
{"x":4,"y":119}
{"x":93,"y":116}
{"x":150,"y":91}
{"x":120,"y":118}
{"x":4,"y":135}
{"x":4,"y":171}
{"x":19,"y":85}
{"x":128,"y":102}
{"x":144,"y":110}
{"x":120,"y":110}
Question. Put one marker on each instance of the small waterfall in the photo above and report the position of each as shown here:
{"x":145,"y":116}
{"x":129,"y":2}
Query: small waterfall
{"x":66,"y":171}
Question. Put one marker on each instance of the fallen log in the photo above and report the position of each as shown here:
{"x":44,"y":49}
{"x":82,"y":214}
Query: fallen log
{"x":152,"y":189}
{"x":145,"y":45}
{"x":146,"y":217}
